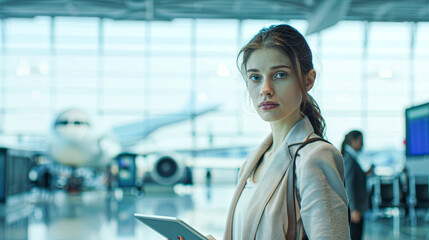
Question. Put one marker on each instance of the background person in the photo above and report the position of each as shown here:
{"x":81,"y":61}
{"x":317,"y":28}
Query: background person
{"x":355,"y":181}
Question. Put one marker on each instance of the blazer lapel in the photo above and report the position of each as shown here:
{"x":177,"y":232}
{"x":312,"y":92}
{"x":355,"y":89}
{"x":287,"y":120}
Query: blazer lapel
{"x":253,"y":159}
{"x":274,"y":175}
{"x":265,"y":190}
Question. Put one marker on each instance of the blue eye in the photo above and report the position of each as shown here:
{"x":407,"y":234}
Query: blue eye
{"x":281,"y":75}
{"x":254,"y":78}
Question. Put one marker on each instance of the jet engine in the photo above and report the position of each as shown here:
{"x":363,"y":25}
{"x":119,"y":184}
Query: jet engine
{"x":166,"y":169}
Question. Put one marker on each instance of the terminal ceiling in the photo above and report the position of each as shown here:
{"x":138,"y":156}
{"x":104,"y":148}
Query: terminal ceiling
{"x":321,"y":14}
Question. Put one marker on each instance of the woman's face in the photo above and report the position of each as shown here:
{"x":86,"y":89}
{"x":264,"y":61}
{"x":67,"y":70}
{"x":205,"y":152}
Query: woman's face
{"x":357,"y":143}
{"x":273,"y":85}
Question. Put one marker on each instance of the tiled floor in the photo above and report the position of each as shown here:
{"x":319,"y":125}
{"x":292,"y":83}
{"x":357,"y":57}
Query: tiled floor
{"x":99,"y":215}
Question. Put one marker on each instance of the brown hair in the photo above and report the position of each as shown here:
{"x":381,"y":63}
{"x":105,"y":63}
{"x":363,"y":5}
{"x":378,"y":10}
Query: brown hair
{"x":291,"y":42}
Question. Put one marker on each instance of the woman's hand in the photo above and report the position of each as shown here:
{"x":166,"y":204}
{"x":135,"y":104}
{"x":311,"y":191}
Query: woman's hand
{"x":370,"y":170}
{"x":210,"y":237}
{"x":356,"y":216}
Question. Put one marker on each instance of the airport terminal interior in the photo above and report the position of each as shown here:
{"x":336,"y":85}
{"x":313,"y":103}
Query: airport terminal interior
{"x":110,"y":108}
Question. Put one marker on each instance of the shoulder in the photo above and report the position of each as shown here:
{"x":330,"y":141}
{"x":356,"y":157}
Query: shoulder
{"x":320,"y":158}
{"x":319,"y":152}
{"x":348,"y":157}
{"x":349,"y":162}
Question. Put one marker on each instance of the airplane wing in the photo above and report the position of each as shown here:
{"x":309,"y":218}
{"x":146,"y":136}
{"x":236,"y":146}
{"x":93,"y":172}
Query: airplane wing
{"x":132,"y":133}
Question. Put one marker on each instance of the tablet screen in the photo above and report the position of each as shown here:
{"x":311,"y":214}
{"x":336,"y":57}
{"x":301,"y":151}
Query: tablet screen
{"x":170,"y":227}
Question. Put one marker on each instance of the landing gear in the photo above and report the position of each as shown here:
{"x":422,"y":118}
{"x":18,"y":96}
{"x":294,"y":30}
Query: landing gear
{"x":74,"y":183}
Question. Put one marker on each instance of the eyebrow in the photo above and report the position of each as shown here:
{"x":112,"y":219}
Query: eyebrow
{"x":271,"y":68}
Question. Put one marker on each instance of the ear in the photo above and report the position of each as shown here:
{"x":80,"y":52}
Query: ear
{"x":309,"y":79}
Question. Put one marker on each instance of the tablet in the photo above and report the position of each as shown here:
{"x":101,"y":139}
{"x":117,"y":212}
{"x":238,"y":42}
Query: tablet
{"x":170,"y":227}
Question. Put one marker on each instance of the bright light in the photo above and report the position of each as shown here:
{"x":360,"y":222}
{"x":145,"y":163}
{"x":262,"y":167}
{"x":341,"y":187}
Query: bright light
{"x":43,"y":67}
{"x":385,"y":73}
{"x":384,"y":171}
{"x":23,"y":68}
{"x":222,"y":70}
{"x":202,"y":97}
{"x":36,"y":94}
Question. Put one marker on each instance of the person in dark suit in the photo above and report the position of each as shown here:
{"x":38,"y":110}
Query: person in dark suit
{"x":355,"y":182}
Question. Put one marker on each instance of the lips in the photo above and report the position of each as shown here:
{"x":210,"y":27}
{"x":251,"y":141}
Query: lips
{"x":268,"y":105}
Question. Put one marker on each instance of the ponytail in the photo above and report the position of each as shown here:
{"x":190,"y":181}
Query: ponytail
{"x":311,"y":109}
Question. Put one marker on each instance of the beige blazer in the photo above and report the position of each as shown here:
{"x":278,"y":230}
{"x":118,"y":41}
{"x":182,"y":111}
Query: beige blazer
{"x":320,"y":189}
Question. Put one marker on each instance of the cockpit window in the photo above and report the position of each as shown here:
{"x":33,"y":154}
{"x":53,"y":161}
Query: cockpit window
{"x":67,"y":122}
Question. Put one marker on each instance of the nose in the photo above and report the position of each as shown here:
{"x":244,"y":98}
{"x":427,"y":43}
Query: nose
{"x":266,"y":89}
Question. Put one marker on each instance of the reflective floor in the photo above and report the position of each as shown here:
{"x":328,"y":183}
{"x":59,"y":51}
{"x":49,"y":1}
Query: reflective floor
{"x":100,"y":215}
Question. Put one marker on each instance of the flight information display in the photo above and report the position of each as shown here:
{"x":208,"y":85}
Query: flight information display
{"x":2,"y":175}
{"x":417,"y":130}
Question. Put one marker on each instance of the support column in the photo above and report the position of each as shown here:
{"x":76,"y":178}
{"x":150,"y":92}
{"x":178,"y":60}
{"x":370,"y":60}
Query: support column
{"x":100,"y":68}
{"x":193,"y":69}
{"x":413,"y":28}
{"x":364,"y":80}
{"x":52,"y":68}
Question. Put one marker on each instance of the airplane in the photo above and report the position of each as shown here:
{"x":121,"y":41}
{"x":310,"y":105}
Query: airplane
{"x":74,"y":143}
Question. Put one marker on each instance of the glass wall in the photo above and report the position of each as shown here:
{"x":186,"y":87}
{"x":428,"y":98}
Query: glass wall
{"x":124,"y":71}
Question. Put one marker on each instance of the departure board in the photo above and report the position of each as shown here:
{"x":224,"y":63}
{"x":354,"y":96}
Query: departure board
{"x":417,"y":130}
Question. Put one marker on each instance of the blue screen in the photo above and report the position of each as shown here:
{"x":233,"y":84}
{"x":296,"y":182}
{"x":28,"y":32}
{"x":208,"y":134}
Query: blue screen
{"x":419,"y":137}
{"x":417,"y":119}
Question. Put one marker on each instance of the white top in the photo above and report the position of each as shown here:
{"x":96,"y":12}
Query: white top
{"x":243,"y":206}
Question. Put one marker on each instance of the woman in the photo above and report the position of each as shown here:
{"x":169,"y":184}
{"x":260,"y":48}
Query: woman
{"x":278,"y":196}
{"x":355,"y":181}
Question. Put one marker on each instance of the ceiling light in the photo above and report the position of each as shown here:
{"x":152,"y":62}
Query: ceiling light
{"x":222,"y":70}
{"x":385,"y":73}
{"x":23,"y":68}
{"x":36,"y":94}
